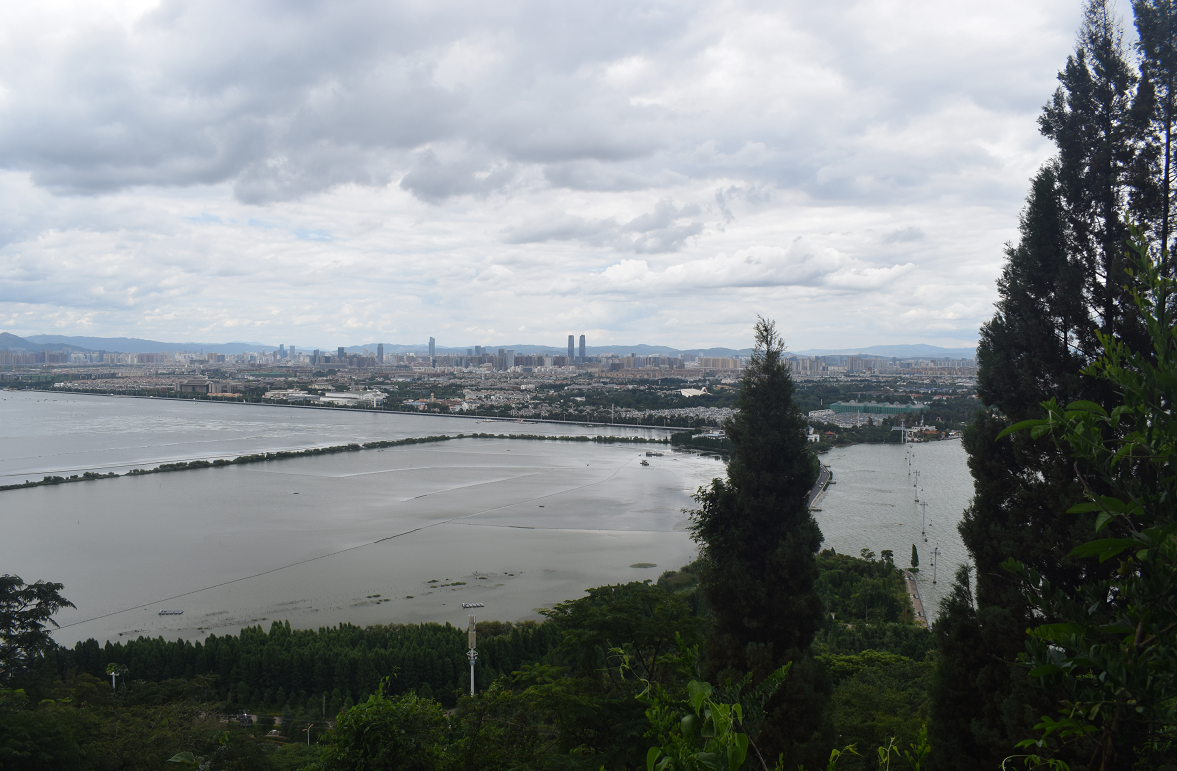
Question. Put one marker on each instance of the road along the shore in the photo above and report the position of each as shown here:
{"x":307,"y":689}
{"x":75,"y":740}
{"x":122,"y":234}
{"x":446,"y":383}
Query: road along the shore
{"x":913,"y":591}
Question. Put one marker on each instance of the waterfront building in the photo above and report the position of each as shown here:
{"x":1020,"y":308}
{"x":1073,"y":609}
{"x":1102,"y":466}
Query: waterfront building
{"x":353,"y":398}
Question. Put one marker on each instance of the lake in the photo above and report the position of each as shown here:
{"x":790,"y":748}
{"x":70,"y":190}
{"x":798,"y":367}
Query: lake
{"x":517,"y":525}
{"x":400,"y":535}
{"x":872,"y":506}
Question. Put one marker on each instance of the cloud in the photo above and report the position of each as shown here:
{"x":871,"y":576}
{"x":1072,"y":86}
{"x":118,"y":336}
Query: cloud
{"x":903,"y":235}
{"x":797,"y":265}
{"x":326,"y":169}
{"x":665,"y":229}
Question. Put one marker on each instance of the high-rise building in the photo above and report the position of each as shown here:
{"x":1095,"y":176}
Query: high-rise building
{"x":509,"y":359}
{"x":571,"y":347}
{"x":380,"y":352}
{"x":469,"y":351}
{"x":582,"y":349}
{"x":341,"y":353}
{"x":282,"y":351}
{"x":315,"y":357}
{"x":478,"y":350}
{"x":432,"y":348}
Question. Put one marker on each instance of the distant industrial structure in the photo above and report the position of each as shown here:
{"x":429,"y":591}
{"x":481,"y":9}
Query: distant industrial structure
{"x":876,"y":408}
{"x":854,"y":413}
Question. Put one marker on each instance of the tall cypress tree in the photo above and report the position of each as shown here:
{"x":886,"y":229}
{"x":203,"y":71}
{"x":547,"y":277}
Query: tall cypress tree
{"x":758,"y":543}
{"x":1026,"y":354}
{"x":1156,"y":108}
{"x":1095,"y":121}
{"x":1062,"y":282}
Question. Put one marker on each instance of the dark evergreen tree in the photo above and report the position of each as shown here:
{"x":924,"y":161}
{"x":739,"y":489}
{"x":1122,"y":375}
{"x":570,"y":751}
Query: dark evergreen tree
{"x":1099,"y":134}
{"x":1156,"y":109}
{"x":915,"y":557}
{"x":1064,"y":281}
{"x":1027,"y":353}
{"x":758,"y":544}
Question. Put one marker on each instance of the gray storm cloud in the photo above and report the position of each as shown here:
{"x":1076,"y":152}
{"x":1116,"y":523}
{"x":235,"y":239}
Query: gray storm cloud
{"x":459,"y":156}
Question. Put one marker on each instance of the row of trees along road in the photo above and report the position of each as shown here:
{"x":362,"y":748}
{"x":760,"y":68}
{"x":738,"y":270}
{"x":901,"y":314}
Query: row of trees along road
{"x":1066,"y":289}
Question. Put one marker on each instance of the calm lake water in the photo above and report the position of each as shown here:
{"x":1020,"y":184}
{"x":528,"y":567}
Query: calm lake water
{"x":873,"y":506}
{"x":516,"y":525}
{"x":371,"y":537}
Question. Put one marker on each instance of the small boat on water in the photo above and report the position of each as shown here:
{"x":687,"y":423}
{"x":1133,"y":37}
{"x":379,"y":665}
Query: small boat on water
{"x":645,"y":462}
{"x":171,"y":613}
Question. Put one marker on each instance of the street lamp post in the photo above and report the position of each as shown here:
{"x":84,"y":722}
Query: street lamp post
{"x":115,"y":670}
{"x":472,"y":654}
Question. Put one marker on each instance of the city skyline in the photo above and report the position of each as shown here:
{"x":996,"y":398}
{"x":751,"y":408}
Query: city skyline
{"x":851,"y":172}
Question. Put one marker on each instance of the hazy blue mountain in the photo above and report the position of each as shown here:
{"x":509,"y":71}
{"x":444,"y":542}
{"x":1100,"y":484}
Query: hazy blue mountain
{"x":916,"y":351}
{"x":10,"y":341}
{"x":135,"y":345}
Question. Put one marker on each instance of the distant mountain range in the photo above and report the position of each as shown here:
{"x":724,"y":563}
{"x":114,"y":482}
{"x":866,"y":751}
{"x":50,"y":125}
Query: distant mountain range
{"x":137,"y":345}
{"x":120,"y":344}
{"x":916,"y":351}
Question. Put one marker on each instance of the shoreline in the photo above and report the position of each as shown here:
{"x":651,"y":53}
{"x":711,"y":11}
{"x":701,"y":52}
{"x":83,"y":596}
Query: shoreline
{"x":496,"y":418}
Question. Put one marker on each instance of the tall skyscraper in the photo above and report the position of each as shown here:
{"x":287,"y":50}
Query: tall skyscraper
{"x":432,"y":348}
{"x":341,"y":353}
{"x":380,"y":352}
{"x":582,"y":349}
{"x":571,"y":348}
{"x":509,"y":359}
{"x":282,"y":351}
{"x":478,"y":350}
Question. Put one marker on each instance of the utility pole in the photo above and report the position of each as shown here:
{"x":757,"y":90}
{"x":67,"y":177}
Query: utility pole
{"x":935,"y":562}
{"x":917,"y":487}
{"x":924,"y":526}
{"x":472,"y":654}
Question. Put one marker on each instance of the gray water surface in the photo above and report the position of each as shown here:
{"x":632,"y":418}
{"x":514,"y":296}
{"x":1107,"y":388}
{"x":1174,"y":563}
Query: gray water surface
{"x":522,"y":524}
{"x":517,"y":525}
{"x":62,"y":434}
{"x":873,"y":506}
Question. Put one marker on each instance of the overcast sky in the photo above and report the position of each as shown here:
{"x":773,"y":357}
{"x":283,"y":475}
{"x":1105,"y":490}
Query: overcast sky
{"x":335,"y":173}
